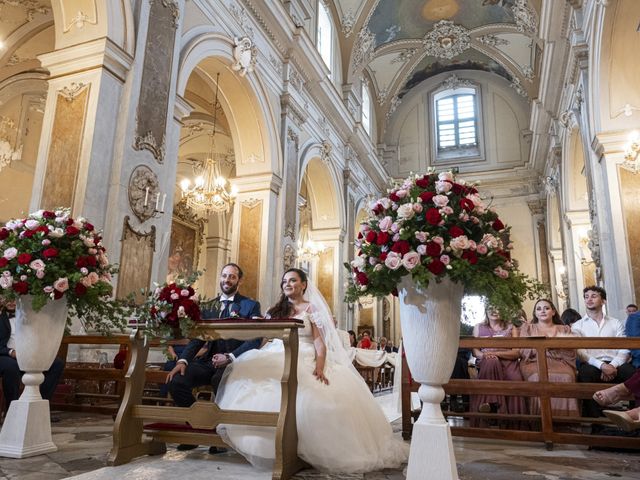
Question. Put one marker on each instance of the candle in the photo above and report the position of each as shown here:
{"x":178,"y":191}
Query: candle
{"x":157,"y":201}
{"x":164,"y":197}
{"x":146,"y":196}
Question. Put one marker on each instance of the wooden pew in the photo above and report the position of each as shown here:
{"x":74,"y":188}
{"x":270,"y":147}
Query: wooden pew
{"x":203,"y":417}
{"x":544,"y":389}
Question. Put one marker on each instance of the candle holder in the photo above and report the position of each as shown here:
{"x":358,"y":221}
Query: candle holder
{"x":145,"y":199}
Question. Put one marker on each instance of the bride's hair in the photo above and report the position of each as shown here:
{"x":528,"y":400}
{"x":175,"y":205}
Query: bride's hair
{"x":283,"y":307}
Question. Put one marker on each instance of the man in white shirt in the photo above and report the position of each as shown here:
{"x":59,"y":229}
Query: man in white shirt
{"x":600,"y":365}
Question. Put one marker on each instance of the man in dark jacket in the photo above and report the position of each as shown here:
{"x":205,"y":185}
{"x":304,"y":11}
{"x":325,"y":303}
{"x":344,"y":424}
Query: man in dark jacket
{"x":9,"y":369}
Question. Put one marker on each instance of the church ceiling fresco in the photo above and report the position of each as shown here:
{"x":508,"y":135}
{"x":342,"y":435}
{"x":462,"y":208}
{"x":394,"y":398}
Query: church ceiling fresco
{"x":400,"y":43}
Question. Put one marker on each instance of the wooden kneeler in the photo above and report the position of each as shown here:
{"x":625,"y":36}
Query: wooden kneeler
{"x":196,"y":425}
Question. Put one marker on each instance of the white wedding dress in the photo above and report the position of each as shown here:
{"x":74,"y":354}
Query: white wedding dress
{"x":341,"y":428}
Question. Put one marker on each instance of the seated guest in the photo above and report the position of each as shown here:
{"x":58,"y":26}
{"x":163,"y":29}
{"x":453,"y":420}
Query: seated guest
{"x":629,"y":420}
{"x":365,"y":341}
{"x":561,"y":363}
{"x":9,"y":369}
{"x":570,"y":316}
{"x":496,"y":364}
{"x":384,"y":345}
{"x":632,"y":329}
{"x":353,"y":339}
{"x":632,"y":308}
{"x":600,"y":365}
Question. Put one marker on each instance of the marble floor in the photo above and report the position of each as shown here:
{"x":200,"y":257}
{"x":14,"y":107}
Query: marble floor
{"x":84,"y":441}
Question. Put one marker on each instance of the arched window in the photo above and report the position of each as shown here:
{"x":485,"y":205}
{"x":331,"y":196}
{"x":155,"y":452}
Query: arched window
{"x":456,"y":123}
{"x":324,"y":38}
{"x":366,"y":109}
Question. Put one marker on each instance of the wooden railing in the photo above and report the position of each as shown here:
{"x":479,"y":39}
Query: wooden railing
{"x":203,"y":417}
{"x":544,"y":389}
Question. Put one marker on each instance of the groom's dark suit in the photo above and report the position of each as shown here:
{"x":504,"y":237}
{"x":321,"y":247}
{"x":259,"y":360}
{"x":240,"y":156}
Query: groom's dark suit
{"x":202,"y":371}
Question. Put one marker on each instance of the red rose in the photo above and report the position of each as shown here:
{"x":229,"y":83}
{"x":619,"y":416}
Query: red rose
{"x":470,"y":256}
{"x":466,"y":204}
{"x":423,"y":182}
{"x":371,"y":236}
{"x":91,"y":260}
{"x":458,"y":189}
{"x":28,"y":233}
{"x":97,"y":239}
{"x":359,"y":235}
{"x":69,"y":221}
{"x":4,"y":234}
{"x":48,"y":214}
{"x":504,"y":254}
{"x":378,"y":209}
{"x":50,"y":253}
{"x":88,"y":227}
{"x":394,"y":292}
{"x":57,"y":294}
{"x":80,"y":289}
{"x":473,"y":191}
{"x":3,"y":262}
{"x":43,"y":229}
{"x":394,"y":197}
{"x":383,"y":256}
{"x":497,"y":225}
{"x":433,"y":249}
{"x":362,"y":279}
{"x":427,"y":196}
{"x":436,"y":267}
{"x":71,"y":231}
{"x":456,"y":231}
{"x":81,"y":262}
{"x":401,"y":247}
{"x":383,"y":237}
{"x":21,"y":288}
{"x":24,"y":258}
{"x":433,"y":216}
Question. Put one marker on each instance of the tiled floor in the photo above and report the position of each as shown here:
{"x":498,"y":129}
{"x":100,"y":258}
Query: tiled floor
{"x":84,"y":442}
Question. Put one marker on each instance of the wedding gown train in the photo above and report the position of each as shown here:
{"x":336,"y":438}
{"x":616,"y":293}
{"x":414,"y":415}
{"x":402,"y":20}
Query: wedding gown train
{"x":341,"y":428}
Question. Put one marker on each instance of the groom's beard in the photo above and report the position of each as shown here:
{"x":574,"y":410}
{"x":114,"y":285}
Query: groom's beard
{"x":228,"y":290}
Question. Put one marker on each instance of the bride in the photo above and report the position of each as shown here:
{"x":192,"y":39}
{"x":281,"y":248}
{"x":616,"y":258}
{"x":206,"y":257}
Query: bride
{"x":341,"y":428}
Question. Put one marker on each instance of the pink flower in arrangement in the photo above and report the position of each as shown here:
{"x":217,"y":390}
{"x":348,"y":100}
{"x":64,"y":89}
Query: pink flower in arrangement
{"x":61,"y":284}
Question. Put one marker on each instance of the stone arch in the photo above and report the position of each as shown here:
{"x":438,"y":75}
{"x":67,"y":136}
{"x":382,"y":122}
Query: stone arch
{"x":244,"y":99}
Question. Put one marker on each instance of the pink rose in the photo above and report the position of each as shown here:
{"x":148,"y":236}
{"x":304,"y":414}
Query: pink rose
{"x":422,"y":249}
{"x":37,"y":264}
{"x":440,"y":200}
{"x":460,"y":243}
{"x":439,"y":240}
{"x":393,"y":261}
{"x":93,"y":278}
{"x":10,"y":253}
{"x":61,"y":284}
{"x":443,"y":187}
{"x":501,"y":272}
{"x":6,"y":281}
{"x":40,"y":274}
{"x":385,"y":224}
{"x":401,"y":193}
{"x":411,"y":260}
{"x":417,"y":207}
{"x":482,"y":249}
{"x":32,"y":224}
{"x":405,"y":211}
{"x":422,"y":236}
{"x":46,"y":242}
{"x":175,"y":296}
{"x":48,"y":289}
{"x":395,"y":228}
{"x":447,"y":210}
{"x":445,"y":259}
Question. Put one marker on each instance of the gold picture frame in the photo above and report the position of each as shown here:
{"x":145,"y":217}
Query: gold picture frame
{"x":187,"y":235}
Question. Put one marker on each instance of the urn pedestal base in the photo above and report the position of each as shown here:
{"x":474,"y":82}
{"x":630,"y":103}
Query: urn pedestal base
{"x":27,"y":430}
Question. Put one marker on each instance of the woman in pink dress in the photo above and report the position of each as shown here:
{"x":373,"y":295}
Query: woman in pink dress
{"x":496,"y":364}
{"x":561,"y":363}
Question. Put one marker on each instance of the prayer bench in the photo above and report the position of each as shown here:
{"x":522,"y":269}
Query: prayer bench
{"x":197,"y":424}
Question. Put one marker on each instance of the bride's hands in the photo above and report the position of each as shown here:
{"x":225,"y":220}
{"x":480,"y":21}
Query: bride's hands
{"x":319,"y":374}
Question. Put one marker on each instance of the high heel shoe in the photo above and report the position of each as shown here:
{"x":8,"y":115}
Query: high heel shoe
{"x":623,"y":420}
{"x":611,"y":395}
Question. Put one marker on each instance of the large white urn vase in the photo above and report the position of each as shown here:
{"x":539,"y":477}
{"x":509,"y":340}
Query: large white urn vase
{"x":27,"y":429}
{"x":430,"y":320}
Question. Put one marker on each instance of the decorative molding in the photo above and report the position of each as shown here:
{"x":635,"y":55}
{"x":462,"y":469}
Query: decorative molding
{"x":525,"y":17}
{"x":453,"y":82}
{"x":251,"y":202}
{"x":173,"y":7}
{"x":363,"y":48}
{"x":15,"y":59}
{"x":348,"y":22}
{"x":295,"y":79}
{"x":528,"y":73}
{"x":79,"y":20}
{"x":493,"y":40}
{"x":70,"y":92}
{"x":184,"y":213}
{"x":293,"y":137}
{"x":144,"y":186}
{"x":395,"y":101}
{"x":148,"y":142}
{"x":277,"y":64}
{"x":245,"y":56}
{"x":446,"y":40}
{"x":405,"y":55}
{"x":8,"y":153}
{"x":240,"y":14}
{"x":31,"y":7}
{"x":288,"y":257}
{"x":517,"y":86}
{"x":325,"y":151}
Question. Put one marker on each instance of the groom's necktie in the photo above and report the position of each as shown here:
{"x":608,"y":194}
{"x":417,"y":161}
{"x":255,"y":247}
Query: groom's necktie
{"x":225,"y":311}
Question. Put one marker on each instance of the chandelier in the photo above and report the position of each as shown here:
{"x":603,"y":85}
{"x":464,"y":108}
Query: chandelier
{"x":209,"y":192}
{"x":307,"y":248}
{"x":632,"y":154}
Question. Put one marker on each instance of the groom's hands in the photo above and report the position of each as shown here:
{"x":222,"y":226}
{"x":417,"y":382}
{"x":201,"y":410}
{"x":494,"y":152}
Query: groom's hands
{"x":179,"y":368}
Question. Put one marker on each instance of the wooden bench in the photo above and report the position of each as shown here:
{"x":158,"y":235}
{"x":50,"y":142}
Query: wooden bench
{"x":544,"y":389}
{"x":203,"y":417}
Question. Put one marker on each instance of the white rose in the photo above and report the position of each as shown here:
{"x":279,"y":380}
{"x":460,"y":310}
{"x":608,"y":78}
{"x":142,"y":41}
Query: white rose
{"x":56,"y":233}
{"x":385,"y":202}
{"x":10,"y":253}
{"x":6,"y":281}
{"x":445,"y":176}
{"x":460,"y":243}
{"x":358,"y":263}
{"x":443,"y":187}
{"x":385,"y":224}
{"x":405,"y":211}
{"x":440,"y":200}
{"x":37,"y":214}
{"x":32,"y":224}
{"x":410,"y":260}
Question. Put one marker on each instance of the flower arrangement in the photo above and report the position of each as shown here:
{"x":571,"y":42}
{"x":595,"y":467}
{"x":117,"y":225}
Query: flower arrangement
{"x":434,"y":226}
{"x":50,"y":255}
{"x":170,"y":307}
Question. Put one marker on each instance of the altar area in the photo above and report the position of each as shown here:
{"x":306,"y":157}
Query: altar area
{"x":84,"y":441}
